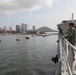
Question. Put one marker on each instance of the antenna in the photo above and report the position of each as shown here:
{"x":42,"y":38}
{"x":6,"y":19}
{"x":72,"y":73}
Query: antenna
{"x":72,"y":16}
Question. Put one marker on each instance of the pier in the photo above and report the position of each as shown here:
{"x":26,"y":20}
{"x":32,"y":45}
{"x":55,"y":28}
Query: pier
{"x":48,"y":34}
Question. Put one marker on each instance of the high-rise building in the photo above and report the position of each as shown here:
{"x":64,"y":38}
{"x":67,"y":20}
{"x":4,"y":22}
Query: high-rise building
{"x":4,"y":28}
{"x":22,"y":27}
{"x":10,"y":28}
{"x":17,"y":28}
{"x":33,"y":28}
{"x":26,"y":27}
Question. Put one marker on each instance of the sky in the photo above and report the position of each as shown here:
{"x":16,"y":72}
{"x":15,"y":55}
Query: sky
{"x":36,"y":12}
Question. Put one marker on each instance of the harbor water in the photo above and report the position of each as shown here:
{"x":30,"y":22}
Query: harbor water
{"x":28,"y":56}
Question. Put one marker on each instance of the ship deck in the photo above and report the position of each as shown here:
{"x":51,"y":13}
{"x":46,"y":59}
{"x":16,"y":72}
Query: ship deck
{"x":74,"y":66}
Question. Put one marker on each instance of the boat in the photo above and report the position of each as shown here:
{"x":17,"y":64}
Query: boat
{"x":66,"y":64}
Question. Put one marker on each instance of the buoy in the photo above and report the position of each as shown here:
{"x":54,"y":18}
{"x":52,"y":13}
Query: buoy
{"x":18,"y":39}
{"x":32,"y":35}
{"x":27,"y":37}
{"x":43,"y":35}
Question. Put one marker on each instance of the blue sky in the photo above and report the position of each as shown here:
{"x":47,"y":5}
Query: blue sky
{"x":36,"y":12}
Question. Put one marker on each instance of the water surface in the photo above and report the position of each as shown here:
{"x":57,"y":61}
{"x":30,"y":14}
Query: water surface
{"x":28,"y":56}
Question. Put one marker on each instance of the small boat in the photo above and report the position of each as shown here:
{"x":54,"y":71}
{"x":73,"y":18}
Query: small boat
{"x":18,"y":39}
{"x":27,"y":37}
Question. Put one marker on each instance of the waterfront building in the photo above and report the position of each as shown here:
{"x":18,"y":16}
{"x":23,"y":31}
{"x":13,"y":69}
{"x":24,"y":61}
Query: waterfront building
{"x":17,"y":28}
{"x":0,"y":29}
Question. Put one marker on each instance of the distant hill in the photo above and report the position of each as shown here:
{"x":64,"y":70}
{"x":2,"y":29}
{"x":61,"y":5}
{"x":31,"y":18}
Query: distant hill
{"x":45,"y":29}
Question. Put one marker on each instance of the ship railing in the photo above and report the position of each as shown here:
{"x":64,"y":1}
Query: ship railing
{"x":66,"y":56}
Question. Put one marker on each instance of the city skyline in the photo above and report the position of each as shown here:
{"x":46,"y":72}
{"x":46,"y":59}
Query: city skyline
{"x":21,"y":26}
{"x":36,"y":12}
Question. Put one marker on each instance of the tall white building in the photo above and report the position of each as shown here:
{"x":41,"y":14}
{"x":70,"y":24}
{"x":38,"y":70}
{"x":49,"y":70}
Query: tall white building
{"x":23,"y":27}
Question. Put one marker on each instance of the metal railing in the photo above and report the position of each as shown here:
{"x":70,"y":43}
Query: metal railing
{"x":66,"y":56}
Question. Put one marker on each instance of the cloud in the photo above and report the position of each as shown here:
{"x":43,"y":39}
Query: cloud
{"x":12,"y":6}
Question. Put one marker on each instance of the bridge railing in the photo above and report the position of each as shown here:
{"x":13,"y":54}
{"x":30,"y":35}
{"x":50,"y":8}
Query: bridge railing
{"x":66,"y":56}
